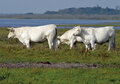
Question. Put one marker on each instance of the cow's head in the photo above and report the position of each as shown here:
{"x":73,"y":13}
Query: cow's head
{"x":11,"y":33}
{"x":77,"y":30}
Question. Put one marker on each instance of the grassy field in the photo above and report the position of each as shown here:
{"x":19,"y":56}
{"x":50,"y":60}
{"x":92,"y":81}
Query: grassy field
{"x":60,"y":76}
{"x":11,"y":50}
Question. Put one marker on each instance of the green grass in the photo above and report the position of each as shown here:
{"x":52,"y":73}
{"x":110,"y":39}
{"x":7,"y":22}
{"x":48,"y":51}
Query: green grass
{"x":11,"y":50}
{"x":60,"y":76}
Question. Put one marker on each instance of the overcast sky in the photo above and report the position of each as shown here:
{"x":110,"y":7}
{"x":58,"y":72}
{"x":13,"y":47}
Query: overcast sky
{"x":40,"y":6}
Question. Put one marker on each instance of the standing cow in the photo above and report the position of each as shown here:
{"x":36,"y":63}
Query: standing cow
{"x":90,"y":36}
{"x":35,"y":34}
{"x":69,"y":37}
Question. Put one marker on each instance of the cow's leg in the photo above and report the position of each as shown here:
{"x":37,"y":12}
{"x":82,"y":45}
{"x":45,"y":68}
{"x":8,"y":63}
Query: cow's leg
{"x":87,"y":47}
{"x":25,"y":38}
{"x":50,"y":42}
{"x":93,"y":45}
{"x":72,"y":41}
{"x":27,"y":43}
{"x":113,"y":45}
{"x":21,"y":40}
{"x":55,"y":44}
{"x":71,"y":44}
{"x":110,"y":45}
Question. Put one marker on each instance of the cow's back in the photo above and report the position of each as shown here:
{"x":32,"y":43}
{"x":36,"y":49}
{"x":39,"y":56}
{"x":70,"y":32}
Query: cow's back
{"x":38,"y":33}
{"x":103,"y":34}
{"x":68,"y":34}
{"x":100,"y":34}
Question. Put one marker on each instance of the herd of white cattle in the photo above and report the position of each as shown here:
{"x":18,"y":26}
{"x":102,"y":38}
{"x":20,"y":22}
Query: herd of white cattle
{"x":88,"y":35}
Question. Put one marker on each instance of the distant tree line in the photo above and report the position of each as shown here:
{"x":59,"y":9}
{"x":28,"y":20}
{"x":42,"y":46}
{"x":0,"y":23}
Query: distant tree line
{"x":97,"y":10}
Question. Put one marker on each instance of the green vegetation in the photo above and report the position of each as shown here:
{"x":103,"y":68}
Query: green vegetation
{"x":59,"y":76}
{"x":11,"y":50}
{"x":88,"y":11}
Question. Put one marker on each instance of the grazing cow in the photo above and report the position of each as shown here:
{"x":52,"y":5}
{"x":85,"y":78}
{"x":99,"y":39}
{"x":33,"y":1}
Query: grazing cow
{"x":100,"y":35}
{"x":35,"y":34}
{"x":69,"y":37}
{"x":65,"y":41}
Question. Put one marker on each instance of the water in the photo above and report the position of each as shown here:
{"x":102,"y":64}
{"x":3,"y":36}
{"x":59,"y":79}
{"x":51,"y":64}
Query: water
{"x":38,"y":22}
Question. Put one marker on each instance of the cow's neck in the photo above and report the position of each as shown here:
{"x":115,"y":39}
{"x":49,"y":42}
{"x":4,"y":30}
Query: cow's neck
{"x":18,"y":32}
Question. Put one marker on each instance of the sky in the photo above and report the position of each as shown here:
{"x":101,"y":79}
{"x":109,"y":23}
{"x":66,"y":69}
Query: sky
{"x":41,"y":6}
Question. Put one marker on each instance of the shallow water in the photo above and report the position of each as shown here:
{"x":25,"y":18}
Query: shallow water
{"x":38,"y":22}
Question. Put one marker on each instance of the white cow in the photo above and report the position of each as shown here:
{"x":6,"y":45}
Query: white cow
{"x":100,"y":35}
{"x":35,"y":34}
{"x":65,"y":41}
{"x":69,"y":37}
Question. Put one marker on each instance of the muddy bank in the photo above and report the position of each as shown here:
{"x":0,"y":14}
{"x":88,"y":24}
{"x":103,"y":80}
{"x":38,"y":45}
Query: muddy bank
{"x":47,"y":65}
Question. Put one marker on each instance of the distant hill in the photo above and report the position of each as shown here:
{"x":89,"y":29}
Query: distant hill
{"x":88,"y":10}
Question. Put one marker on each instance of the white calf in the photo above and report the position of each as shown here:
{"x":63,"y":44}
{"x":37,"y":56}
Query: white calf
{"x":69,"y":37}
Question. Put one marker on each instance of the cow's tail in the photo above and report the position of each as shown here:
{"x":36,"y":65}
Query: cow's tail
{"x":55,"y":40}
{"x":114,"y":42}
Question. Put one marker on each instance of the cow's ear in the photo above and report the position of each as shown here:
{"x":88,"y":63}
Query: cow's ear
{"x":11,"y":29}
